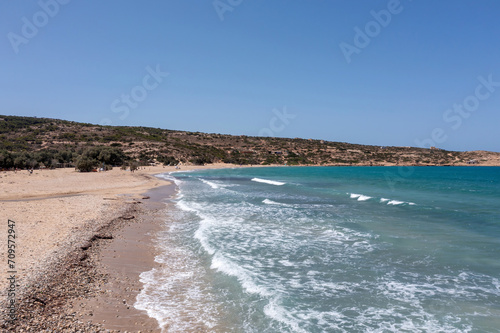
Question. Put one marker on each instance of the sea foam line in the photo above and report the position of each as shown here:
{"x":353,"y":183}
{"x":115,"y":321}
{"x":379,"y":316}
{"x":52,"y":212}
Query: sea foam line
{"x":212,"y":185}
{"x":270,"y":202}
{"x":266,"y":181}
{"x":178,"y":270}
{"x":227,"y":266}
{"x":392,"y":202}
{"x":397,"y":202}
{"x":360,"y":197}
{"x":169,"y":177}
{"x":278,"y":313}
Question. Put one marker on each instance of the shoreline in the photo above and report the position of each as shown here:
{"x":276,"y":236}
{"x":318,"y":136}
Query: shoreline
{"x":74,"y":269}
{"x":122,"y":260}
{"x":82,"y":247}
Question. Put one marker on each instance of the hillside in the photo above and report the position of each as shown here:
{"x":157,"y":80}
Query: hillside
{"x":31,"y":142}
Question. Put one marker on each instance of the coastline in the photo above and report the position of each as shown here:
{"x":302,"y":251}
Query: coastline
{"x":82,"y":241}
{"x":122,"y":260}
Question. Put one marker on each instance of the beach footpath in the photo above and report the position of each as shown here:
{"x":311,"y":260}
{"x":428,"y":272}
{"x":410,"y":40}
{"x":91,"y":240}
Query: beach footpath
{"x":73,"y":245}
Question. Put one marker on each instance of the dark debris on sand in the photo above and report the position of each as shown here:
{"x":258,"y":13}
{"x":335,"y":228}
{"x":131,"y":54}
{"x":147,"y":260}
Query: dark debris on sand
{"x":45,"y":300}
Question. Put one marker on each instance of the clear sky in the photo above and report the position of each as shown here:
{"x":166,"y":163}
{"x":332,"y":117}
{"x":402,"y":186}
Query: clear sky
{"x":394,"y":73}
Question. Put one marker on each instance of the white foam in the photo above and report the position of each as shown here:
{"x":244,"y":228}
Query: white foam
{"x":161,"y":299}
{"x":496,"y":284}
{"x":270,"y":202}
{"x":169,"y":177}
{"x":286,"y":263}
{"x":184,"y":206}
{"x":363,"y":198}
{"x":395,"y":202}
{"x":200,"y":235}
{"x":174,"y":285}
{"x":360,"y":197}
{"x":279,"y":313}
{"x":408,"y":307}
{"x":266,"y":181}
{"x":203,"y":229}
{"x":212,"y":185}
{"x":224,"y":231}
{"x":214,"y":218}
{"x":227,"y":266}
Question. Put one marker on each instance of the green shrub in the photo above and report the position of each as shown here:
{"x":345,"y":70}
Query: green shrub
{"x":85,"y":164}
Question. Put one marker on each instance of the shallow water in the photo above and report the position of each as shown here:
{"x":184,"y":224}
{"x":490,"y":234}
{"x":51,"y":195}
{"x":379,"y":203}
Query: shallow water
{"x":330,"y":249}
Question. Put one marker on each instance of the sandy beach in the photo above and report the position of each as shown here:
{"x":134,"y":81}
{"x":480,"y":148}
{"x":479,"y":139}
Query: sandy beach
{"x":81,"y":241}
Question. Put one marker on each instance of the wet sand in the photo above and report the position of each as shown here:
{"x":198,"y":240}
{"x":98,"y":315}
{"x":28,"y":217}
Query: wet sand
{"x":82,"y":239}
{"x":130,"y":253}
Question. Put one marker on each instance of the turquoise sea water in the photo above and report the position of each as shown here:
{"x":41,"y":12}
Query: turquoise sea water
{"x":329,"y":249}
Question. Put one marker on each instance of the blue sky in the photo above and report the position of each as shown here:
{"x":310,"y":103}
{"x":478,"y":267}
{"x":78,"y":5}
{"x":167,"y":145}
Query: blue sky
{"x":395,"y":73}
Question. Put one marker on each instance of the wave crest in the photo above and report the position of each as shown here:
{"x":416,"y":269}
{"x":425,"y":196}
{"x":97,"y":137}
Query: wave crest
{"x":267,"y":181}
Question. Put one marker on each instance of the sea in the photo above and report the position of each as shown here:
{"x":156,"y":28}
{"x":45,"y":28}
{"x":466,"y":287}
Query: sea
{"x":329,"y":249}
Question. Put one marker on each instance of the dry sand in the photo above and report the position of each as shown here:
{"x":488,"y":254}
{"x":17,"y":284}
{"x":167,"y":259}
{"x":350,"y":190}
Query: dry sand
{"x":56,"y":211}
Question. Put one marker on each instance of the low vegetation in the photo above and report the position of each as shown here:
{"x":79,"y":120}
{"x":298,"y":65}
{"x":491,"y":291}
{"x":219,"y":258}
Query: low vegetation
{"x":28,"y":142}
